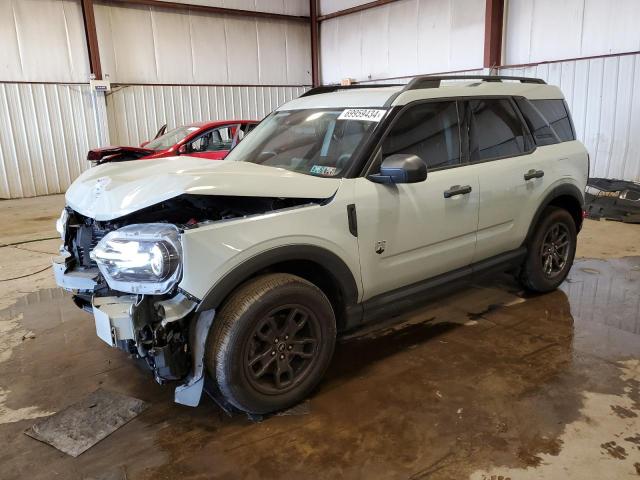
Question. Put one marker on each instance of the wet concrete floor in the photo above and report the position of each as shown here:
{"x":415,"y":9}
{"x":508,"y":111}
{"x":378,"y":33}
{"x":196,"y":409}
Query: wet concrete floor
{"x":486,"y":383}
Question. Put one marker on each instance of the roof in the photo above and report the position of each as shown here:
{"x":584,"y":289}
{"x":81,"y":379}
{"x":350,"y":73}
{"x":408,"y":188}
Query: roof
{"x":361,"y":97}
{"x":422,"y":88}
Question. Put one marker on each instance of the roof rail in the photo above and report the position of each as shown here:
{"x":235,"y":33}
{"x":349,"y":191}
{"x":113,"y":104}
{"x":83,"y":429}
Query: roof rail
{"x":434,"y":81}
{"x":335,"y":88}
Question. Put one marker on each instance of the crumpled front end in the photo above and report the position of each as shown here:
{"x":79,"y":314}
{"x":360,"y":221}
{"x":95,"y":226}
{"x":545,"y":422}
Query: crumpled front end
{"x":127,"y":272}
{"x":151,"y":324}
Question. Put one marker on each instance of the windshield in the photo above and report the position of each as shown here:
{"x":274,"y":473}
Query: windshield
{"x":170,"y":138}
{"x":318,"y":142}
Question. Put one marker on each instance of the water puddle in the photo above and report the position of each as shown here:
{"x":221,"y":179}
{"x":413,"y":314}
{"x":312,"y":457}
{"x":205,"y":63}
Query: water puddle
{"x":483,"y":382}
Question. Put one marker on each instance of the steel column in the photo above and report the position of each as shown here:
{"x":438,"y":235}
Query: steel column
{"x":493,"y":21}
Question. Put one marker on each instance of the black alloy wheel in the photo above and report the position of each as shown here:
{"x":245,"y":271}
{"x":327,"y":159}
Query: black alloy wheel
{"x":550,"y":251}
{"x":554,"y":251}
{"x":283,"y":347}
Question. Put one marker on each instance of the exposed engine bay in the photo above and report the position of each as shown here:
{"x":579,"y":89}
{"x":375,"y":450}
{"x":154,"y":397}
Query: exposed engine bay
{"x":155,"y":327}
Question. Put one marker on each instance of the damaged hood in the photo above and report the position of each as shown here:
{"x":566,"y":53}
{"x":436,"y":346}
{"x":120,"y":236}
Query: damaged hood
{"x":113,"y":190}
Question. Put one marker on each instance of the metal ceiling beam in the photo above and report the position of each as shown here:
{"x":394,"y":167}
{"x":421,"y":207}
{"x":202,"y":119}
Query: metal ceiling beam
{"x":358,"y":8}
{"x":315,"y":42}
{"x":92,"y":38}
{"x":493,"y":22}
{"x":209,"y":9}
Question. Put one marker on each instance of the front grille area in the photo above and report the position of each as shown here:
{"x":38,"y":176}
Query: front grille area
{"x":84,"y":235}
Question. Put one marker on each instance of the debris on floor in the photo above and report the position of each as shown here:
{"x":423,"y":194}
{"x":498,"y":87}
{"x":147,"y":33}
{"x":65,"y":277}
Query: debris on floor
{"x":28,"y":336}
{"x":83,"y":424}
{"x":613,"y":199}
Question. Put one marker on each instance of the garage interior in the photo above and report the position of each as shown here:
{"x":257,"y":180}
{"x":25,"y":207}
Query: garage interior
{"x":487,"y":382}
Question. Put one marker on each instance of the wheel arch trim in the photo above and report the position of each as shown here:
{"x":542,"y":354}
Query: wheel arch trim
{"x":565,"y":189}
{"x":327,"y":260}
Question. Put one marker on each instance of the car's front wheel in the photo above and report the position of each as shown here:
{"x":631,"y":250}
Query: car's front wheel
{"x":550,"y":251}
{"x":271,"y":343}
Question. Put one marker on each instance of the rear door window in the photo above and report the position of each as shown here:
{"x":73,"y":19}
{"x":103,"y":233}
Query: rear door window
{"x":496,"y":130}
{"x":429,"y":130}
{"x":556,"y":113}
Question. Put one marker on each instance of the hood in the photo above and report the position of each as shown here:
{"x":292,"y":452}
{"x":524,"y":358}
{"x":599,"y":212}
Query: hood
{"x":117,"y":154}
{"x":113,"y":190}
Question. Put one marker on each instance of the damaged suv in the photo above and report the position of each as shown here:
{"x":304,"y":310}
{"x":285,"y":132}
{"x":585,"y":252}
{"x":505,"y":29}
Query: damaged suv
{"x":344,"y":206}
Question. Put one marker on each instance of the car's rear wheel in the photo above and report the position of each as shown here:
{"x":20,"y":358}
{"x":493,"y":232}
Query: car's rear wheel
{"x":271,"y":343}
{"x":551,"y":251}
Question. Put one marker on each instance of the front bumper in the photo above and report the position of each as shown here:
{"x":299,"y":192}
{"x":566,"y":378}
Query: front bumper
{"x":162,"y":330}
{"x":74,"y":281}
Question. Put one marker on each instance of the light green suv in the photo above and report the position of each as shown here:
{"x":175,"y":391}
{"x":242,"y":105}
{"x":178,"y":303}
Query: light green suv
{"x":344,"y":206}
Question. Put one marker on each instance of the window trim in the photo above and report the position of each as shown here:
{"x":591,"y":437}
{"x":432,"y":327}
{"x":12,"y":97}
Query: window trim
{"x":570,"y":117}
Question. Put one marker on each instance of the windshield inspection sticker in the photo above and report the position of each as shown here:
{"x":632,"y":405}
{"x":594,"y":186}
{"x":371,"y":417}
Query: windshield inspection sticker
{"x":366,"y":114}
{"x":324,"y":171}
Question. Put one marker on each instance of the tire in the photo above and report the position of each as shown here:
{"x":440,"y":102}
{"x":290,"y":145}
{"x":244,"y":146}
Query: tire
{"x":271,"y":343}
{"x":547,"y":248}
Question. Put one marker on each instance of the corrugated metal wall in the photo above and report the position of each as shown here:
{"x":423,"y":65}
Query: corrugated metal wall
{"x":408,"y":37}
{"x":330,"y":6}
{"x":193,"y":47}
{"x":45,"y":132}
{"x":544,"y":30}
{"x":287,"y":7}
{"x":26,"y":26}
{"x":604,"y":97}
{"x":136,"y":112}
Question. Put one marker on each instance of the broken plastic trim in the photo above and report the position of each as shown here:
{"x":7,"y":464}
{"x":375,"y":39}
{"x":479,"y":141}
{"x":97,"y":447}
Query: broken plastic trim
{"x":190,"y":392}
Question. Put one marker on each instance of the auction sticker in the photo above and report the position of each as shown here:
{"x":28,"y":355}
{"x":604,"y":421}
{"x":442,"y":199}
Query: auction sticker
{"x":366,"y":114}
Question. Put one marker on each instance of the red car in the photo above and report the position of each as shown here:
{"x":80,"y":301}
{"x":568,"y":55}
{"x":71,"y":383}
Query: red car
{"x":211,"y":140}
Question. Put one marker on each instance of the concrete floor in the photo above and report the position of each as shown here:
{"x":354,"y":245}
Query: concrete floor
{"x":486,"y":384}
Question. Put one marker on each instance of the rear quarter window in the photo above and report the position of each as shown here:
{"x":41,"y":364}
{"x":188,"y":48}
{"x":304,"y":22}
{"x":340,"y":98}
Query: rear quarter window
{"x":556,"y":113}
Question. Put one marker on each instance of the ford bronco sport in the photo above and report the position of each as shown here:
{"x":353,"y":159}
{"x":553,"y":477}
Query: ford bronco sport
{"x":343,"y":206}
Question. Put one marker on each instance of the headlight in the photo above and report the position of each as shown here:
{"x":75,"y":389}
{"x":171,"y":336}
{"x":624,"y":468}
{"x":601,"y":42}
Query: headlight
{"x":61,"y":223}
{"x":143,"y":258}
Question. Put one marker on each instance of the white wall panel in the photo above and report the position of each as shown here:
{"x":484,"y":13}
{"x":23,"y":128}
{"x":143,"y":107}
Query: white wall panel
{"x":403,"y":38}
{"x":45,"y":132}
{"x":331,"y":6}
{"x":141,"y":44}
{"x":135,"y":112}
{"x":298,"y":38}
{"x":286,"y":7}
{"x":543,"y":30}
{"x":242,"y":52}
{"x":42,"y":40}
{"x":209,"y":47}
{"x":604,"y":98}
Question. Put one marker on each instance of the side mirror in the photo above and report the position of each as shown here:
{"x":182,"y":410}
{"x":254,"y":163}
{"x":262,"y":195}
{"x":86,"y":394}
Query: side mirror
{"x":182,"y":149}
{"x":401,"y":168}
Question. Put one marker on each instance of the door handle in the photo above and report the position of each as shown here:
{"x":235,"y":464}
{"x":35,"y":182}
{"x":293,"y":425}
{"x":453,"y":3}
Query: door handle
{"x":457,"y":190}
{"x":533,"y":174}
